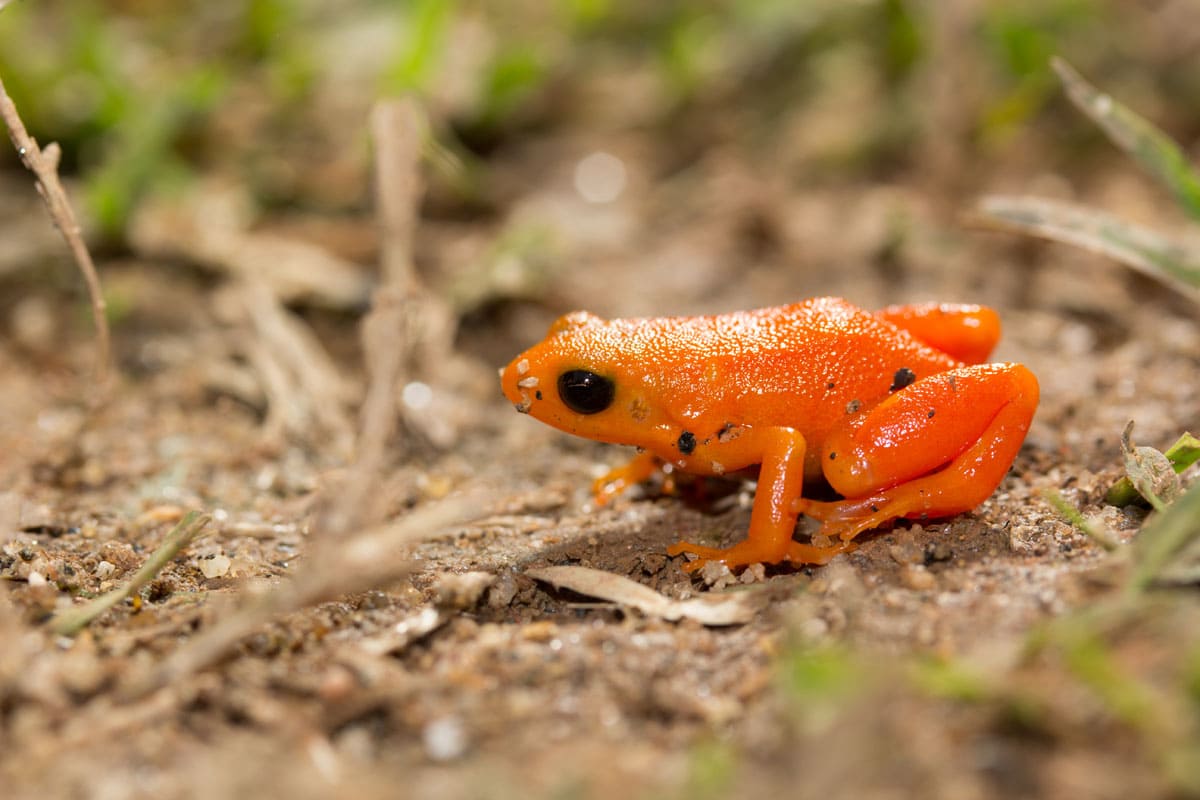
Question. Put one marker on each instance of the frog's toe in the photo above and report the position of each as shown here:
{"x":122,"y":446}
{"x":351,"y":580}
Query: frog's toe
{"x":703,"y":555}
{"x":800,"y":553}
{"x":842,"y":520}
{"x":740,"y":555}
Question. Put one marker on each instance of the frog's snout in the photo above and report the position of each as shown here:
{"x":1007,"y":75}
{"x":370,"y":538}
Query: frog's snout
{"x":518,"y":385}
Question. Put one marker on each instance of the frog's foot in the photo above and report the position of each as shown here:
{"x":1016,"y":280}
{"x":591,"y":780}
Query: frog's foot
{"x":740,"y":555}
{"x":745,"y":553}
{"x":842,"y":520}
{"x":800,"y":553}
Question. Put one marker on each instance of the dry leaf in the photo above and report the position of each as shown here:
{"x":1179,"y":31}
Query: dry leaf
{"x":1150,"y":471}
{"x":730,"y":609}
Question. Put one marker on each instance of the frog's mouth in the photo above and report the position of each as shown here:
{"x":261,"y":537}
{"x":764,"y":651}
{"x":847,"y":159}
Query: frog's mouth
{"x":518,"y":385}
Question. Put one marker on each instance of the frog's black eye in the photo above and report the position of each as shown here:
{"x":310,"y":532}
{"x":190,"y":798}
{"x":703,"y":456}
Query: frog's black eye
{"x":585,"y":392}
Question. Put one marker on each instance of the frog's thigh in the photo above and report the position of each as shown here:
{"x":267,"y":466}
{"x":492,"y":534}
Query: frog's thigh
{"x":972,"y":418}
{"x":965,"y":332}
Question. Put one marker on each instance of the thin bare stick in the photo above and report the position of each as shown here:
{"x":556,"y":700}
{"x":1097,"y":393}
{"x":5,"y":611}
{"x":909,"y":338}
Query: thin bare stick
{"x":44,"y":166}
{"x":74,"y":620}
{"x":397,"y":127}
{"x":391,"y":330}
{"x":305,"y":390}
{"x":350,"y":550}
{"x":385,"y":362}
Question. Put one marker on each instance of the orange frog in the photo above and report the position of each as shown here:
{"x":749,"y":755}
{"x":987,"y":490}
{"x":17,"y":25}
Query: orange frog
{"x":893,"y":408}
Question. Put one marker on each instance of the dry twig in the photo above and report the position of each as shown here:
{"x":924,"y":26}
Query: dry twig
{"x":393,"y":326}
{"x":44,"y":166}
{"x":342,"y":560}
{"x":397,"y":127}
{"x":211,"y":226}
{"x":303,"y":387}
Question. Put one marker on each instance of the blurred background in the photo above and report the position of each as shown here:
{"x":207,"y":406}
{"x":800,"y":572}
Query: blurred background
{"x":633,"y":158}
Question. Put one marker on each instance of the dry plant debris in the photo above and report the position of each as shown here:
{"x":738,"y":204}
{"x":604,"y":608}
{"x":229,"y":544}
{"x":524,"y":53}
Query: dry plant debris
{"x":1180,"y":455}
{"x":210,"y":227}
{"x":717,"y":610}
{"x":44,"y":166}
{"x":306,"y":395}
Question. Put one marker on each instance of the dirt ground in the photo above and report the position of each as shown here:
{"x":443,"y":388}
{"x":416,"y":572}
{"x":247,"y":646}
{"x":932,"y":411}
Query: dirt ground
{"x":994,"y":654}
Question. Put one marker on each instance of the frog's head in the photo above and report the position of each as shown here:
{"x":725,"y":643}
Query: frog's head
{"x":583,"y":379}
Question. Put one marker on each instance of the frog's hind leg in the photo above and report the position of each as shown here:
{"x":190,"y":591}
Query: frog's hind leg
{"x":937,"y":448}
{"x":965,"y":332}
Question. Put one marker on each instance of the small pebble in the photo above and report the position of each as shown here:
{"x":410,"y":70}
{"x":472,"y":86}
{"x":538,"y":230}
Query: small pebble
{"x":540,"y":631}
{"x":755,"y":573}
{"x":444,"y":739}
{"x":917,"y":578}
{"x":716,"y":575}
{"x":215,"y":567}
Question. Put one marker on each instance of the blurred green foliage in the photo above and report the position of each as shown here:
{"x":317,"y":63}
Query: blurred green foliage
{"x":1172,"y":260}
{"x":1101,"y":677}
{"x":141,"y":92}
{"x":819,"y":683}
{"x":420,"y":51}
{"x":712,"y":770}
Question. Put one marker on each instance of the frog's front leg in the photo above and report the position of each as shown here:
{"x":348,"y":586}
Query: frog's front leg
{"x":934,"y":449}
{"x":641,"y":467}
{"x":781,"y":477}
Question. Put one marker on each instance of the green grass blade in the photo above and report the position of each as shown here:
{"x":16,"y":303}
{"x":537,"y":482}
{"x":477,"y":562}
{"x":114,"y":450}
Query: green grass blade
{"x":1160,"y":544}
{"x":1157,"y":153}
{"x":1069,"y":512}
{"x":1147,"y":251}
{"x":70,"y":622}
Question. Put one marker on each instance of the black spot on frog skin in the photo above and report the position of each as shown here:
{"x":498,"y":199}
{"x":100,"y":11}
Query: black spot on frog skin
{"x":687,"y":442}
{"x":903,"y":377}
{"x":728,"y":433}
{"x":538,"y":394}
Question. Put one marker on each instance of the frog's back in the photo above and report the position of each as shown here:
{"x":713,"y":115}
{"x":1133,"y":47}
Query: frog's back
{"x":798,"y":365}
